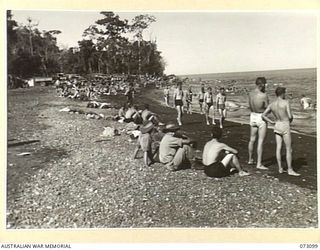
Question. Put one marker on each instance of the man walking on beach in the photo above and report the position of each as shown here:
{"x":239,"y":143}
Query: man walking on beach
{"x":280,"y":108}
{"x":258,"y":102}
{"x":175,"y":150}
{"x":208,"y":98}
{"x":221,"y":105}
{"x":216,"y":164}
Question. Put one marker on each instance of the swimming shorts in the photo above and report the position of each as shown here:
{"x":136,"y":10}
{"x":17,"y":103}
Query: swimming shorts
{"x":282,"y":127}
{"x":178,"y":103}
{"x":221,"y":106}
{"x":201,"y":100}
{"x":256,"y":120}
{"x":209,"y":104}
{"x":217,"y":170}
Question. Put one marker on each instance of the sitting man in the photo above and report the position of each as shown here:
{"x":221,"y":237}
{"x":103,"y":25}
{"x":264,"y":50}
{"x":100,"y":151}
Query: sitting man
{"x":175,"y":149}
{"x":216,"y":164}
{"x":132,"y":115}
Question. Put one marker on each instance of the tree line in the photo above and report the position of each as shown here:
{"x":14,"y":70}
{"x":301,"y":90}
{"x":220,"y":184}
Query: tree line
{"x":109,"y":46}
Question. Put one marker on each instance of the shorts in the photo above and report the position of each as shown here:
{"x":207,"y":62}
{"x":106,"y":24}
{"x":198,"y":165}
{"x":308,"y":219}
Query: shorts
{"x":221,"y":106}
{"x":178,"y":103}
{"x":209,"y":104}
{"x":201,"y":100}
{"x":282,"y":127}
{"x":256,"y":120}
{"x":145,"y":142}
{"x":217,"y":170}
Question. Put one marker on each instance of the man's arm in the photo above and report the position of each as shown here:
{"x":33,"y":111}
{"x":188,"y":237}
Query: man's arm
{"x":289,"y":112}
{"x":265,"y":113}
{"x":230,"y":149}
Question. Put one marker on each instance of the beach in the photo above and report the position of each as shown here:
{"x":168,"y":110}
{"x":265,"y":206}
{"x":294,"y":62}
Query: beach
{"x":74,"y":178}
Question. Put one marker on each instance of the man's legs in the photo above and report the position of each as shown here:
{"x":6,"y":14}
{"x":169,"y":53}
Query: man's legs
{"x":253,"y":136}
{"x":287,"y":142}
{"x":278,"y":152}
{"x":261,"y":135}
{"x":183,"y":155}
{"x":179,"y":115}
{"x":233,"y":160}
{"x":207,"y":108}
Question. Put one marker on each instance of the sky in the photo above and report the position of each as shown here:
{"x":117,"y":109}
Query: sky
{"x":207,"y":42}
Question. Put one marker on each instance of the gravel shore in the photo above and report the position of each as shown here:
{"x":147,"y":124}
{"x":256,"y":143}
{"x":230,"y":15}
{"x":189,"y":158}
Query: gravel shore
{"x":74,"y":178}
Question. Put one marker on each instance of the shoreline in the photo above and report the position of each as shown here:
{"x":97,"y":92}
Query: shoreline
{"x":73,"y":180}
{"x":305,"y":145}
{"x":234,"y":120}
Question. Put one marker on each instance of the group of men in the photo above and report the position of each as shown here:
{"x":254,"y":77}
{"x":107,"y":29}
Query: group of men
{"x":206,"y":103}
{"x":219,"y":159}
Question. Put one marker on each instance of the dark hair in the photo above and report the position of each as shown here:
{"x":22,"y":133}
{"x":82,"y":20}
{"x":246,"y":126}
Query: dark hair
{"x":280,"y":90}
{"x":216,"y":132}
{"x":222,"y":88}
{"x":261,"y":80}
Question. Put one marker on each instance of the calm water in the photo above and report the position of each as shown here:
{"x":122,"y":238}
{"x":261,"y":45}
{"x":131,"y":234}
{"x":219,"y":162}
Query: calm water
{"x":297,"y":82}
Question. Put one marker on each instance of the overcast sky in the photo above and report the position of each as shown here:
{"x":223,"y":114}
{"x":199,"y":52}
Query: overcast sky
{"x":208,"y":42}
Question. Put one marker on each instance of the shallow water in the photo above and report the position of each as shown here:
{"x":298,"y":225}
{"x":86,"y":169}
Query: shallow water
{"x":297,"y":82}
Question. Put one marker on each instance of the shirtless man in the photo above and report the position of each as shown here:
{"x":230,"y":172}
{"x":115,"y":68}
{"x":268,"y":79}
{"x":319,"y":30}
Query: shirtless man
{"x":258,"y":102}
{"x":280,"y":108}
{"x":216,"y":165}
{"x":208,"y":99}
{"x":178,"y":102}
{"x":221,"y":105}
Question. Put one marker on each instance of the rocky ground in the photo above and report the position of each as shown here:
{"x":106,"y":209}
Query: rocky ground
{"x":74,"y":178}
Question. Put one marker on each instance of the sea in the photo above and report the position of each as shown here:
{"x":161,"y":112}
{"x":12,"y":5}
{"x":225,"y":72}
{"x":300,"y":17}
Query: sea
{"x":296,"y":82}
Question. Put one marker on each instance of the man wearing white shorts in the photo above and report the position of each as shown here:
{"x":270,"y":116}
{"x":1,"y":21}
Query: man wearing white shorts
{"x":258,"y":102}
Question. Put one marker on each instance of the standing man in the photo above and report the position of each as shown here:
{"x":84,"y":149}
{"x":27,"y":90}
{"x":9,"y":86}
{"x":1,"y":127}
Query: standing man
{"x":280,"y":108}
{"x":221,"y":105}
{"x":178,"y":102}
{"x":130,"y":93}
{"x":258,"y":102}
{"x":208,"y":98}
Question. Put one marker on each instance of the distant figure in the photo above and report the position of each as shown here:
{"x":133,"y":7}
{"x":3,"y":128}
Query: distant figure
{"x":166,"y":93}
{"x":280,"y":108}
{"x":217,"y":164}
{"x":208,"y":98}
{"x":305,"y":102}
{"x":175,"y":150}
{"x":189,"y":100}
{"x":201,"y":98}
{"x":258,"y":102}
{"x":221,"y":105}
{"x":130,"y":93}
{"x":178,"y":102}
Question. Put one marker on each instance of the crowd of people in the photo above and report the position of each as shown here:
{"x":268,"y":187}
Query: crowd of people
{"x":165,"y":143}
{"x":219,"y":159}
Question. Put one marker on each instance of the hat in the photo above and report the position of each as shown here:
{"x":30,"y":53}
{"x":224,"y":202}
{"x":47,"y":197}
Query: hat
{"x":171,"y":127}
{"x":147,"y":127}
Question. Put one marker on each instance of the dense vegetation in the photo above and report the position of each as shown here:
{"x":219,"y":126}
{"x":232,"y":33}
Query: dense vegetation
{"x":110,"y":45}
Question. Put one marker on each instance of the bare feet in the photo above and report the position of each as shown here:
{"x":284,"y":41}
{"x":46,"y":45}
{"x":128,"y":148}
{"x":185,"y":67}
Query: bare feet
{"x":251,"y":162}
{"x":281,"y":170}
{"x":262,"y":167}
{"x":293,"y":173}
{"x":243,"y":173}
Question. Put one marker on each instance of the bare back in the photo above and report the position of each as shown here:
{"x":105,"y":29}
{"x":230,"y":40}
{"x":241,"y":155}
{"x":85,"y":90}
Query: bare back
{"x":281,"y":110}
{"x":211,"y":152}
{"x":258,"y":101}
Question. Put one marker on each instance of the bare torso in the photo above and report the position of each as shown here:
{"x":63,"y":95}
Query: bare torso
{"x":281,"y":110}
{"x":258,"y":101}
{"x":211,"y":152}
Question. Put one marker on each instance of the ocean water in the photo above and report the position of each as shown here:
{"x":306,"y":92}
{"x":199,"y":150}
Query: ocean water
{"x":296,"y":81}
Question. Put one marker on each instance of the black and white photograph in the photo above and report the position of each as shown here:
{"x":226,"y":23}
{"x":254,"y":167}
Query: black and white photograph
{"x":161,"y":119}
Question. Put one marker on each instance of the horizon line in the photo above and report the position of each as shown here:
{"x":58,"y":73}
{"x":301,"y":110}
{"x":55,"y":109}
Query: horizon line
{"x":249,"y":71}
